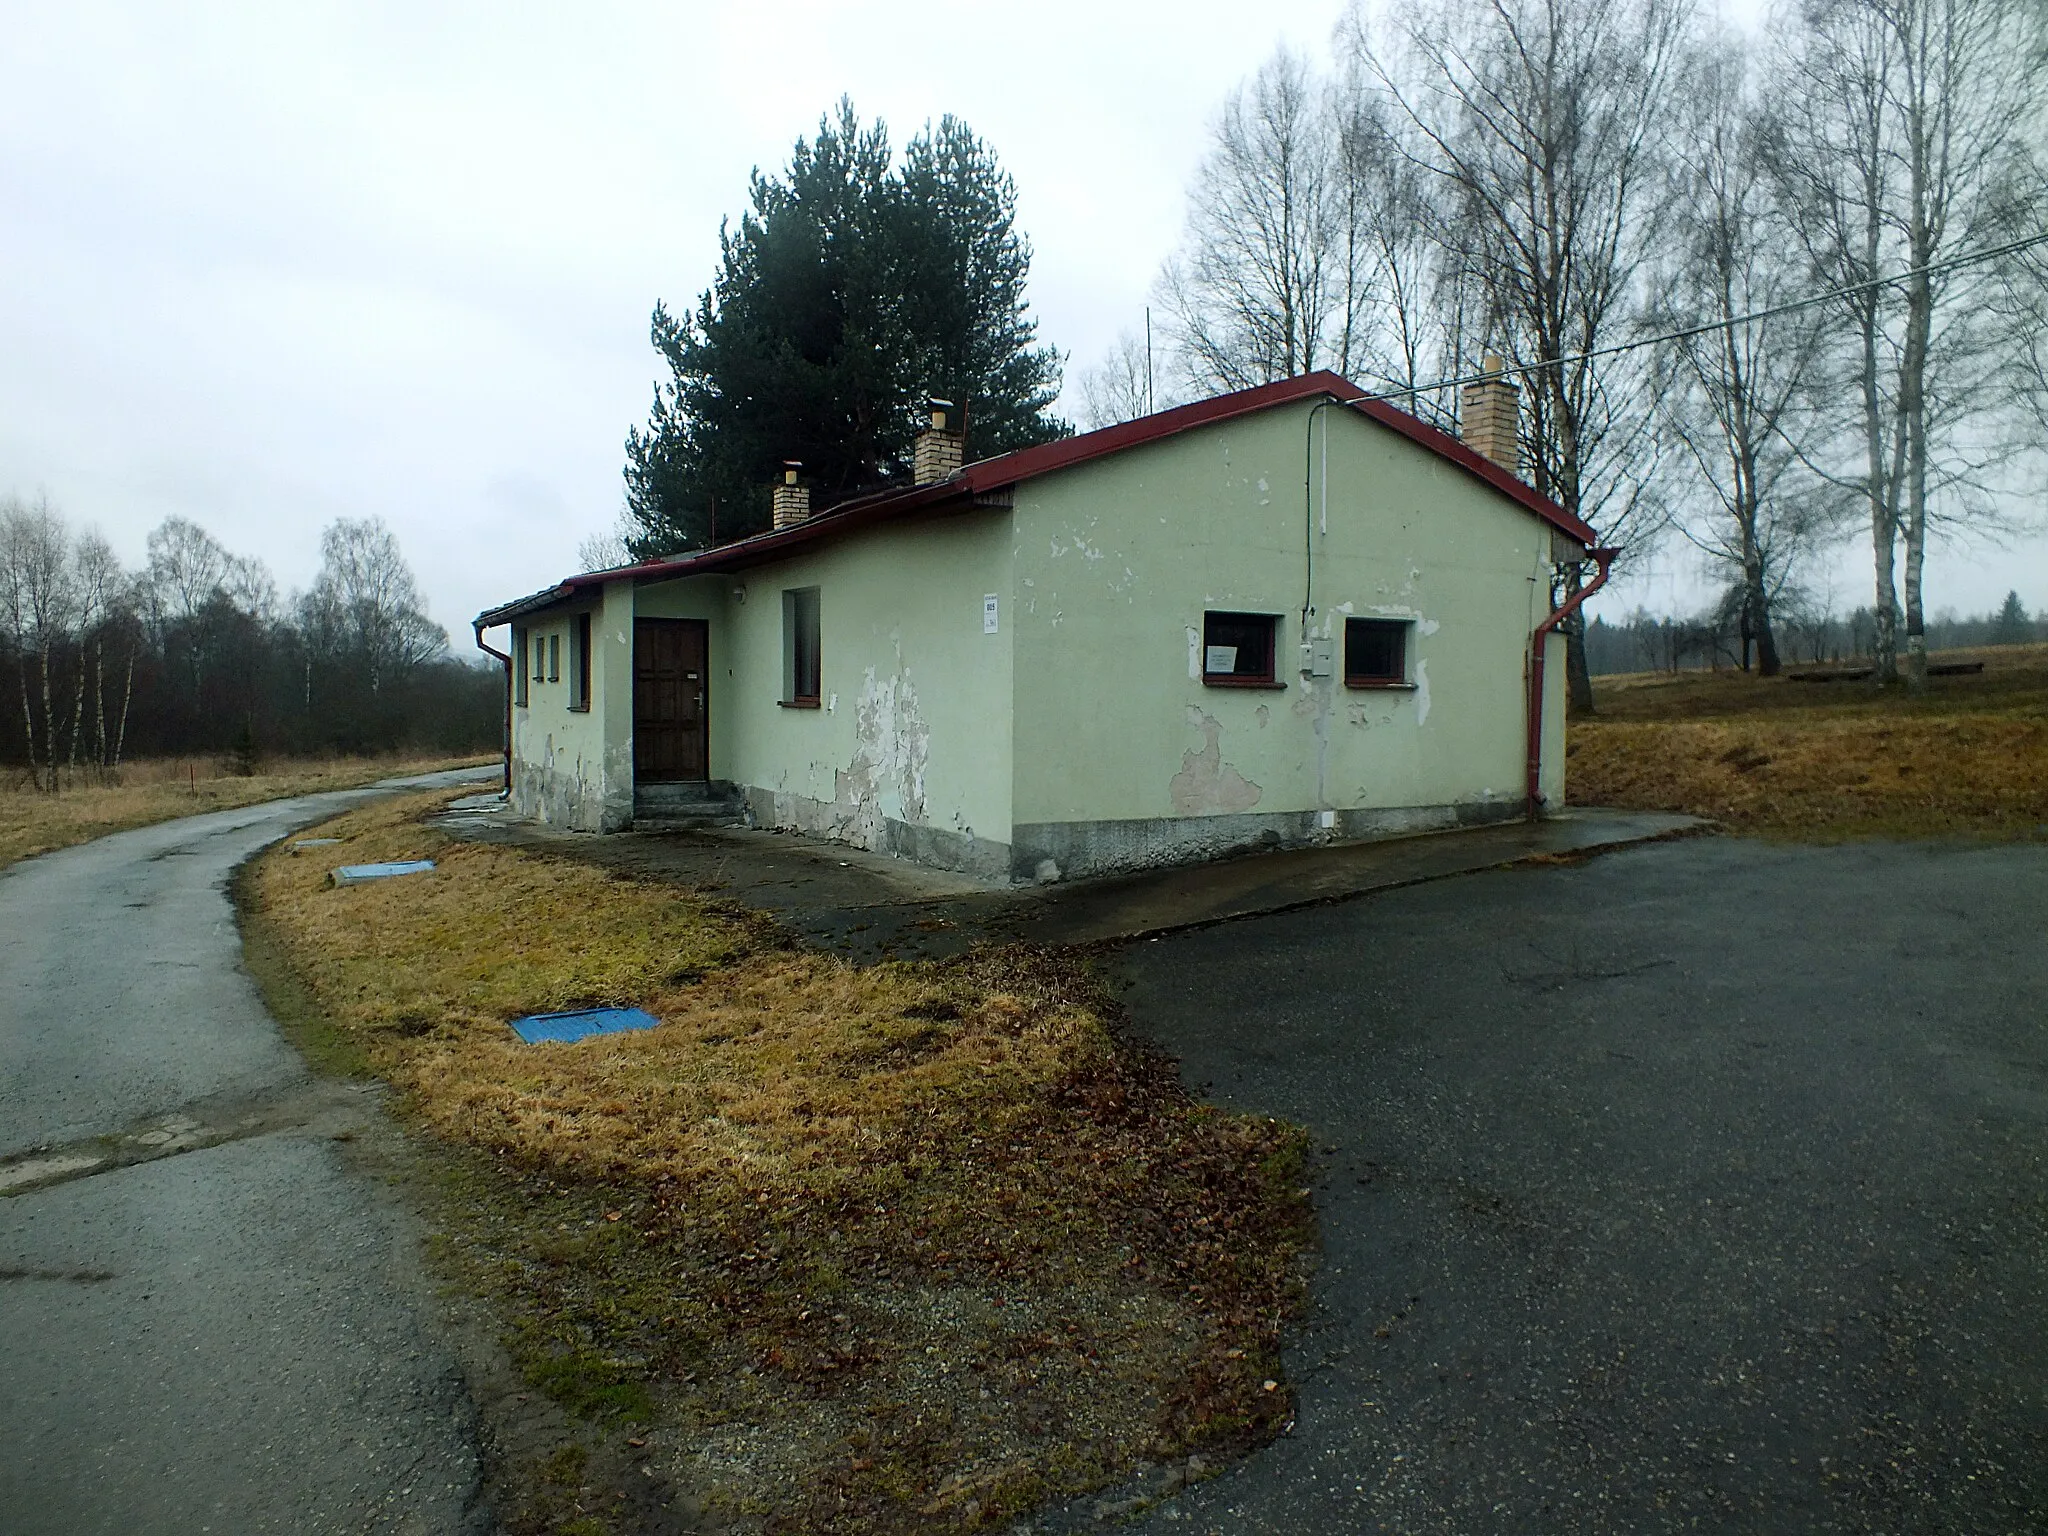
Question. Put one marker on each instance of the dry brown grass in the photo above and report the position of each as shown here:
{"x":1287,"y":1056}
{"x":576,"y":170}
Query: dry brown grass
{"x":909,"y":1247}
{"x":158,"y":789}
{"x":1783,"y":758}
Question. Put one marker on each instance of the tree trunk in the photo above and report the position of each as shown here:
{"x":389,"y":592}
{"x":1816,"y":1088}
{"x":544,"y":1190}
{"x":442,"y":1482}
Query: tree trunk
{"x":1756,"y":605}
{"x":127,"y":697}
{"x":77,"y":714}
{"x":1578,"y":678}
{"x":1884,"y":529}
{"x":1913,"y":400}
{"x":28,"y":725}
{"x":49,"y":722}
{"x":99,"y":704}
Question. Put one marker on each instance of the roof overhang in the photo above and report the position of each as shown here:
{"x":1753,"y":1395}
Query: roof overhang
{"x":991,"y":483}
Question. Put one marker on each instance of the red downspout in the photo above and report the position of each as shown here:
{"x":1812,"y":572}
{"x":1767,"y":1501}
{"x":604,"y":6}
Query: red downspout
{"x":1604,"y":558}
{"x":507,"y":661}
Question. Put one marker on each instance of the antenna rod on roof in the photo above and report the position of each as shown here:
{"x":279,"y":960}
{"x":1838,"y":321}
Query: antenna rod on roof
{"x":1148,"y":359}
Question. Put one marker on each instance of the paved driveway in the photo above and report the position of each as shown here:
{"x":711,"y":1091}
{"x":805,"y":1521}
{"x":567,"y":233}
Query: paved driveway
{"x":207,"y":1321}
{"x":1698,"y":1187}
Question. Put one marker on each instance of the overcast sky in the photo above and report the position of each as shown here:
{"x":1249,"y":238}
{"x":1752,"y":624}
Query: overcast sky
{"x":263,"y":265}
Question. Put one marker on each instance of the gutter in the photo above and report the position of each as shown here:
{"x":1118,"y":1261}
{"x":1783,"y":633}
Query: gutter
{"x":506,"y":660}
{"x":1604,"y":558}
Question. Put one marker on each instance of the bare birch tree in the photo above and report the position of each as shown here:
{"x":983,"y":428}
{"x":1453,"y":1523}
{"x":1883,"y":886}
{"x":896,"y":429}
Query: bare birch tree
{"x":1906,"y":128}
{"x":1259,"y":285}
{"x":1735,"y":400}
{"x":609,"y":548}
{"x":1415,"y":314}
{"x":1119,"y":388}
{"x":365,"y":608}
{"x":101,"y":588}
{"x":37,"y":599}
{"x":1548,"y":122}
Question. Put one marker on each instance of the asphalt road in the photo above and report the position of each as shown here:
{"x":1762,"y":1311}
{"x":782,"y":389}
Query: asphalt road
{"x":1698,"y":1187}
{"x":208,"y":1322}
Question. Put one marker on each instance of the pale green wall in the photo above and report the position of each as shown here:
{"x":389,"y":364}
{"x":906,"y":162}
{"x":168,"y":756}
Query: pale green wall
{"x":1118,"y":559}
{"x":910,"y":752}
{"x":565,"y":772}
{"x":1102,"y":574}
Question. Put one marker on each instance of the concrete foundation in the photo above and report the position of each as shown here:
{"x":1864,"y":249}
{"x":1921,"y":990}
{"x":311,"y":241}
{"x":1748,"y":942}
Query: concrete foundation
{"x":1068,"y":850}
{"x":862,"y":827}
{"x":563,"y":790}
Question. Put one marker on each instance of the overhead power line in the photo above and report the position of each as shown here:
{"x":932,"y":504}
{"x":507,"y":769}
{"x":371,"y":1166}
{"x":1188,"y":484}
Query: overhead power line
{"x":2010,"y":248}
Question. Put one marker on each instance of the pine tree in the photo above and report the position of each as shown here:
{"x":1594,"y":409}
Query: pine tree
{"x":851,"y":291}
{"x":2011,"y":626}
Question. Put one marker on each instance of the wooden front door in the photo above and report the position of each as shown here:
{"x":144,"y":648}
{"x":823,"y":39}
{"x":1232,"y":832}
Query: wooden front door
{"x":671,"y":687}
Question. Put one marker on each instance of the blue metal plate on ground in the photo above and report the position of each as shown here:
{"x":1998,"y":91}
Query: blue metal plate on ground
{"x":575,"y":1026}
{"x":356,"y":874}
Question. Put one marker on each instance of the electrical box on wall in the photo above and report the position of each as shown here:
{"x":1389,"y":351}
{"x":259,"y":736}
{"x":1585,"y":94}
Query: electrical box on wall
{"x":1317,"y":658}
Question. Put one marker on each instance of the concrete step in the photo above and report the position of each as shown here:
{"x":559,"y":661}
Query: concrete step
{"x":689,"y":803}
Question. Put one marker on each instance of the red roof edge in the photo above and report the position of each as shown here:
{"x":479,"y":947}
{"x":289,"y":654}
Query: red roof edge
{"x":1028,"y":463}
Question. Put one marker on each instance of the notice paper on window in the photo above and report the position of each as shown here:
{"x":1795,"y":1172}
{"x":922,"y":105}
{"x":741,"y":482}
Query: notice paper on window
{"x":1221,"y":658}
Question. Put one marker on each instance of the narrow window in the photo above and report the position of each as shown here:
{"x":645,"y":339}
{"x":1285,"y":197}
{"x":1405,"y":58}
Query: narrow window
{"x":579,"y":662}
{"x":540,"y":658}
{"x":1237,"y":650}
{"x":1375,"y":653}
{"x":519,"y":649}
{"x":801,"y":666}
{"x":554,"y":658}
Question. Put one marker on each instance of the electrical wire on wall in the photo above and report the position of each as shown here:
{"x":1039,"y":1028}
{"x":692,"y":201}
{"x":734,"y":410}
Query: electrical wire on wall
{"x":1308,"y":507}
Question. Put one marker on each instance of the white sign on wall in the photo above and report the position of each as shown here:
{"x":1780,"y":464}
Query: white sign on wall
{"x":1221,"y":659}
{"x":988,"y":614}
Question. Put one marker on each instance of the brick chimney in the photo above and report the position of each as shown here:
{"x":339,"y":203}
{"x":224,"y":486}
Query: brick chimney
{"x":938,"y":452}
{"x":1490,"y":418}
{"x":792,"y":501}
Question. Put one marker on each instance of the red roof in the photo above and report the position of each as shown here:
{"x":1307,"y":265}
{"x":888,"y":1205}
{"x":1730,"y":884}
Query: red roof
{"x":992,"y":476}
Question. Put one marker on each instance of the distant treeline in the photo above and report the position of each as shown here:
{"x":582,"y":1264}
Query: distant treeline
{"x":1713,"y":639}
{"x":195,"y":653}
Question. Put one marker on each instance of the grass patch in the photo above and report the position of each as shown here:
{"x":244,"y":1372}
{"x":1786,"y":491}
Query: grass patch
{"x":153,"y":790}
{"x":908,"y":1247}
{"x":1827,"y":761}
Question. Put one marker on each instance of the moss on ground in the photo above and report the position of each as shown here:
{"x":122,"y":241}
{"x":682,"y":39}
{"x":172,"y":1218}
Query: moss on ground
{"x":859,"y":1249}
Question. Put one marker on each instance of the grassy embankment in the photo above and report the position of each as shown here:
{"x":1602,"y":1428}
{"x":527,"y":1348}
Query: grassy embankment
{"x":1826,"y":761}
{"x":158,"y":789}
{"x":904,"y":1247}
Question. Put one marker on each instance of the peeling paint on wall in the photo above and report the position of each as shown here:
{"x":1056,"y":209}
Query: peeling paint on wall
{"x":886,"y":779}
{"x":1206,"y":785}
{"x":1422,"y":693}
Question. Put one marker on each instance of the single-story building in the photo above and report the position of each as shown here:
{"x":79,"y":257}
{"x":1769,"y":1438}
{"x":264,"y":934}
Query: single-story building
{"x":1281,"y":616}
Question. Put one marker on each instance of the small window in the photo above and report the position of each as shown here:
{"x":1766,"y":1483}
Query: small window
{"x":540,"y":658}
{"x":554,"y":658}
{"x":1237,"y":650}
{"x":1375,"y":653}
{"x":519,"y":648}
{"x":801,"y":662}
{"x":579,"y":662}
